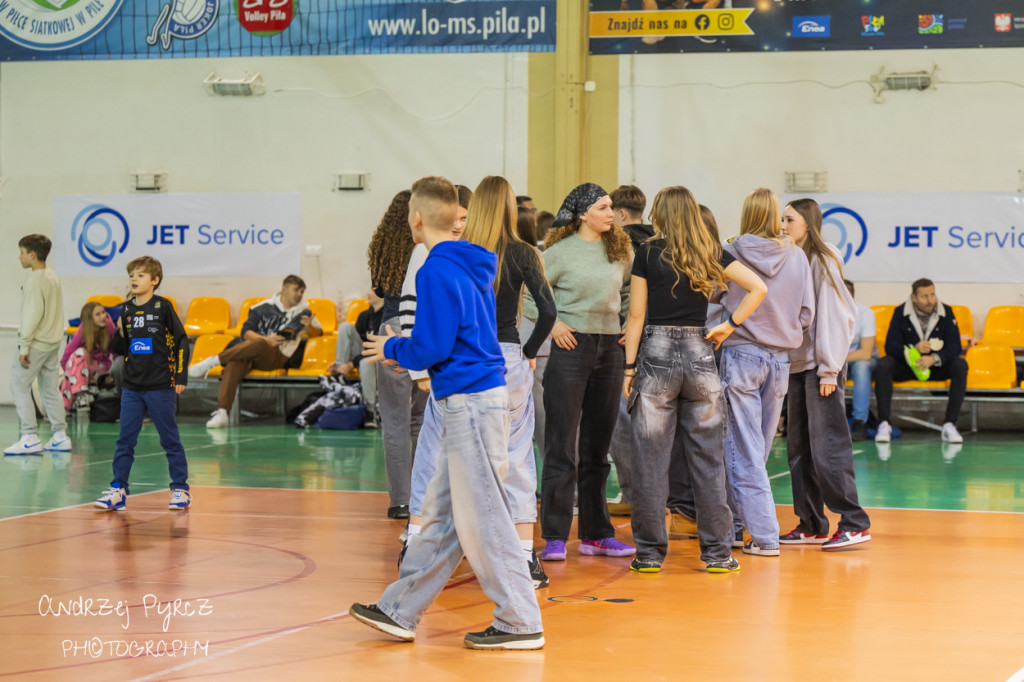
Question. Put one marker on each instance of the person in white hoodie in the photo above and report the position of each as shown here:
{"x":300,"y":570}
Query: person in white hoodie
{"x":755,"y":364}
{"x":39,"y":336}
{"x":818,"y":442}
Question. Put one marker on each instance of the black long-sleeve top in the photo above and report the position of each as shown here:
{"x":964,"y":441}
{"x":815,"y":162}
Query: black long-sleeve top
{"x":521,"y":265}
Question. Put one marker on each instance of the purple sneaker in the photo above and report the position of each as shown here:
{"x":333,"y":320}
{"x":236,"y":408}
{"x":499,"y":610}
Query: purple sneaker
{"x":554,"y":550}
{"x":606,"y":547}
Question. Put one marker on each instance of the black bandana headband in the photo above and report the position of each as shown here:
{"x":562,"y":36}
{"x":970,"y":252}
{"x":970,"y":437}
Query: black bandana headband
{"x":578,"y":202}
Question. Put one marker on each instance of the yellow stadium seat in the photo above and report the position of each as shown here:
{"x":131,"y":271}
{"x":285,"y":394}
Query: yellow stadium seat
{"x":318,"y":356}
{"x":325,"y":312}
{"x":883,"y":316}
{"x":243,"y":314}
{"x":964,"y":320}
{"x":991,"y":367}
{"x":208,"y":345}
{"x":354,"y":308}
{"x":266,"y":373}
{"x":106,"y":300}
{"x":921,"y":384}
{"x":1004,"y":325}
{"x":208,"y":315}
{"x":174,"y":302}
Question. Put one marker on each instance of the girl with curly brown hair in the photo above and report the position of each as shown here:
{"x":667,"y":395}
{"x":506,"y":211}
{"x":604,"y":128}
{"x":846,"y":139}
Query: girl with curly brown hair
{"x":587,"y":261}
{"x":401,"y":402}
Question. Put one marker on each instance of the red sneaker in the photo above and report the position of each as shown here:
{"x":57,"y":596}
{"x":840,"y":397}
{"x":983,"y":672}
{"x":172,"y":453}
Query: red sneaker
{"x":845,"y":538}
{"x":795,"y":537}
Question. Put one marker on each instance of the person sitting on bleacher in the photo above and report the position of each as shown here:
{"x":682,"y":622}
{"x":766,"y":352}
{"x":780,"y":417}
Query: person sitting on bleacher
{"x":350,"y":353}
{"x":928,"y":327}
{"x":273,"y":337}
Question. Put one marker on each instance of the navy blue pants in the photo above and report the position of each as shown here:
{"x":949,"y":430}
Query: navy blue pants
{"x":161,"y":405}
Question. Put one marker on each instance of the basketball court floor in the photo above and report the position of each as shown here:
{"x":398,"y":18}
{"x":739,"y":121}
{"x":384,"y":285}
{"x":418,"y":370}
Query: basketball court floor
{"x":288,"y":528}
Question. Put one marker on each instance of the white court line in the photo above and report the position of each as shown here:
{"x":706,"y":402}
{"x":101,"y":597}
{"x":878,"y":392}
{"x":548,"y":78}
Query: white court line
{"x":196,"y":447}
{"x":71,"y":506}
{"x":1017,"y":676}
{"x":305,"y":490}
{"x":183,"y":666}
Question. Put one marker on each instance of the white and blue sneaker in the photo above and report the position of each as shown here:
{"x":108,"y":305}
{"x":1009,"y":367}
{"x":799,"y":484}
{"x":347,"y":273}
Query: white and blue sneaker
{"x":112,"y":500}
{"x":59,"y":443}
{"x":28,"y":445}
{"x":180,"y":499}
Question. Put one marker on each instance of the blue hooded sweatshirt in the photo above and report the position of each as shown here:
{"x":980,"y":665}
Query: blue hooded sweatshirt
{"x":455,"y":336}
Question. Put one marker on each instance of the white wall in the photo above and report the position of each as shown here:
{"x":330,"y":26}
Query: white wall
{"x":82,"y":127}
{"x":723,"y":124}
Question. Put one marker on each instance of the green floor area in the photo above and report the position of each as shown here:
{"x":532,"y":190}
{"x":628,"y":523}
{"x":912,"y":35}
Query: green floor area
{"x":986,"y":473}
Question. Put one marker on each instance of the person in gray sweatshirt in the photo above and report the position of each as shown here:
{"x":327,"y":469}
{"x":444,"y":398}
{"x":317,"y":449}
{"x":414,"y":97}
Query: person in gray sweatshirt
{"x":818,"y":443}
{"x":755,"y":363}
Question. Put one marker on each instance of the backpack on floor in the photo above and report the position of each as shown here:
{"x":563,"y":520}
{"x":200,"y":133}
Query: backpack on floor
{"x":342,"y":418}
{"x":105,"y":409}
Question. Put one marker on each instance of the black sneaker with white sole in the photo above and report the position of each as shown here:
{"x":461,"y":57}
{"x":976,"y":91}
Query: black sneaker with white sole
{"x":369,"y":614}
{"x":496,"y":640}
{"x":540,"y":578}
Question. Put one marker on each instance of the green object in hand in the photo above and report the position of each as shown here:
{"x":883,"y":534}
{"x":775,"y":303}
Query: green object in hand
{"x":911,"y":354}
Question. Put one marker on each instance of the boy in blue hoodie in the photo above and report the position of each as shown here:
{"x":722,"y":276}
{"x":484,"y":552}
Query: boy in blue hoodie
{"x":465,"y":510}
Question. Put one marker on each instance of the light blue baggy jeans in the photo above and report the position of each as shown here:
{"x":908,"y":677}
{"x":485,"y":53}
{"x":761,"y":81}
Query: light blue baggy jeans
{"x":467,"y":512}
{"x":755,"y":380}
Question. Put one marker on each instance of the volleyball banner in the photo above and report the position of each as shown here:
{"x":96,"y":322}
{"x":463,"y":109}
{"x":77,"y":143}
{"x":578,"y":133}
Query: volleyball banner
{"x":633,"y":26}
{"x":158,"y":29}
{"x":947,"y":237}
{"x":190,"y":234}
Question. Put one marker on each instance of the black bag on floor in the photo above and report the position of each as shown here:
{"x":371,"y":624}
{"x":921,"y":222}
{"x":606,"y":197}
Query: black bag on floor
{"x":105,"y":409}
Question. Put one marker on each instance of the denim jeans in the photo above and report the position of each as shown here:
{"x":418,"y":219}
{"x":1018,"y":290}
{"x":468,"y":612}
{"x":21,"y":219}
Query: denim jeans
{"x":428,"y":447}
{"x":820,"y":454}
{"x":467,"y":512}
{"x":623,"y":452}
{"x":401,"y":415}
{"x":161,"y":405}
{"x":755,"y":380}
{"x":581,"y":395}
{"x":860,"y":372}
{"x":679,"y":396}
{"x":539,"y":420}
{"x":680,"y":484}
{"x":42,"y":364}
{"x":521,"y":480}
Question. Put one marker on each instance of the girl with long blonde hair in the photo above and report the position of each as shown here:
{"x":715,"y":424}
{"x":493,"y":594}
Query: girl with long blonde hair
{"x":87,"y":355}
{"x":492,"y":225}
{"x":755,"y":364}
{"x":672,"y":385}
{"x":819,"y":448}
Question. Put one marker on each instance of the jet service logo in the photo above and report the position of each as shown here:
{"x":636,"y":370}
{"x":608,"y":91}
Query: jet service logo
{"x":100,"y":233}
{"x":852,"y":230}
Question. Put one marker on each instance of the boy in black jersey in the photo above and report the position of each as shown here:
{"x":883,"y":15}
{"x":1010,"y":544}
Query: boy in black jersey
{"x":155,"y":347}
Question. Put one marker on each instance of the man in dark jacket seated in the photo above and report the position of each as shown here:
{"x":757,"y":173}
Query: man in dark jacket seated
{"x":926,"y":325}
{"x":350,"y":353}
{"x":273,"y":337}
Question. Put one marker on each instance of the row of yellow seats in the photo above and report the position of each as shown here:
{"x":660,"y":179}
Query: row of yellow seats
{"x":992,"y":367}
{"x":212,"y":314}
{"x":111,"y":300}
{"x":318,"y":356}
{"x":1004,"y":325}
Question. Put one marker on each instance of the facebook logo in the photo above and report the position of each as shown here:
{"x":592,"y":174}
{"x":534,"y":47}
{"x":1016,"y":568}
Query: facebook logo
{"x":812,"y":27}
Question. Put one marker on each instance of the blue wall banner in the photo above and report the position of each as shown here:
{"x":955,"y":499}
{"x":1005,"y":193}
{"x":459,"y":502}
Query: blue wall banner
{"x":33,"y":30}
{"x":190,"y":234}
{"x":632,"y":26}
{"x":947,"y":237}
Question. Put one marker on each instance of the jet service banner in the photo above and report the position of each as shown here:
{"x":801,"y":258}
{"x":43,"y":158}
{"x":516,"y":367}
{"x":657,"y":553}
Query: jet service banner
{"x":947,"y":237}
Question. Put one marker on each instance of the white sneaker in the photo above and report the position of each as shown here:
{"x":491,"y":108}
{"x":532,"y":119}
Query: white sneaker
{"x":112,"y":499}
{"x":59,"y":443}
{"x":203,"y":367}
{"x":950,"y":434}
{"x":180,"y":500}
{"x":28,"y":445}
{"x":218,"y":419}
{"x":884,"y":433}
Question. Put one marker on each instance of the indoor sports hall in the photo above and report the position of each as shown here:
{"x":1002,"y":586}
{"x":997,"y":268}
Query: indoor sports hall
{"x":241,"y":143}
